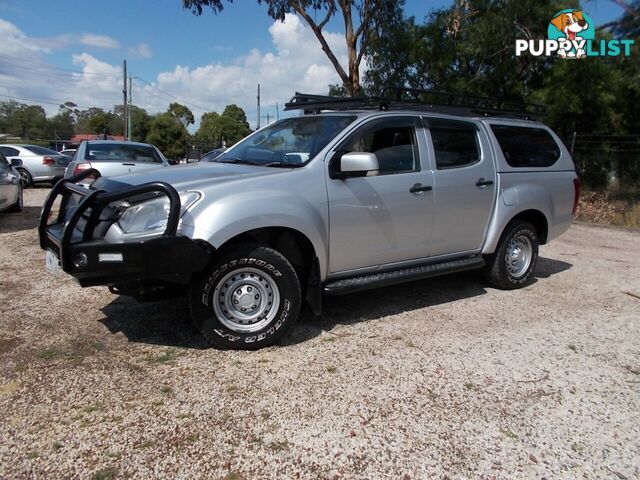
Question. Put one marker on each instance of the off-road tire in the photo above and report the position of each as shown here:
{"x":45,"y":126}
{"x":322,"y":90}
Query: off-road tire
{"x":497,"y":271}
{"x":267,"y":265}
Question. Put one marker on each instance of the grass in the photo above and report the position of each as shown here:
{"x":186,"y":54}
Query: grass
{"x":166,"y":389}
{"x":92,"y":408}
{"x":232,"y":476}
{"x":48,"y":353}
{"x":56,"y":446}
{"x":74,"y":350}
{"x":614,"y":207}
{"x":166,"y":357}
{"x":332,"y":369}
{"x":108,"y":473}
{"x":572,"y":347}
{"x":469,"y":386}
{"x":508,"y":433}
{"x":279,"y":446}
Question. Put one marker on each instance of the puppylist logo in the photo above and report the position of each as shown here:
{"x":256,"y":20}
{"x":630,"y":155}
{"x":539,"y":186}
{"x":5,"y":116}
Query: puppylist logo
{"x":571,"y":34}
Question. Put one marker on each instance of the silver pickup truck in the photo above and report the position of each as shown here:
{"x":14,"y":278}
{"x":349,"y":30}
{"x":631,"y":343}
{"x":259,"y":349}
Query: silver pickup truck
{"x":351,"y":195}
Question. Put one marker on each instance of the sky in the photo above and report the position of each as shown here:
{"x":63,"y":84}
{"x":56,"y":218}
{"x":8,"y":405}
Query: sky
{"x":55,"y":51}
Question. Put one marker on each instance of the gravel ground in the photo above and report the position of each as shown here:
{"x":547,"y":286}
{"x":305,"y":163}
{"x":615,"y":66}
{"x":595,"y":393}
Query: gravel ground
{"x":445,"y":378}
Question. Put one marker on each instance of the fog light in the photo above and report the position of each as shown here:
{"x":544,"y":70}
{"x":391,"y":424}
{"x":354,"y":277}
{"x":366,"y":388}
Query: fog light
{"x":81,"y":260}
{"x":110,"y":257}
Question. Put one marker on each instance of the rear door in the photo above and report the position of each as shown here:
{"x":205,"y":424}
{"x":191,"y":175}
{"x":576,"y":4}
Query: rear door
{"x":465,"y":185}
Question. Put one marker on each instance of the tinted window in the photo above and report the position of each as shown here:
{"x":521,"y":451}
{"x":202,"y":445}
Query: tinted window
{"x":4,"y":164}
{"x":455,"y":143}
{"x":526,"y":146}
{"x":9,"y":152}
{"x":40,"y":150}
{"x":119,"y":152}
{"x":393,"y":140}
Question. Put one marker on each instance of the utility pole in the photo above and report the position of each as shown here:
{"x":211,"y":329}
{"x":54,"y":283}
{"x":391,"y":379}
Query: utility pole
{"x":124,"y":96}
{"x":129,"y":110}
{"x":268,"y":117}
{"x":277,"y":112}
{"x":258,"y":125}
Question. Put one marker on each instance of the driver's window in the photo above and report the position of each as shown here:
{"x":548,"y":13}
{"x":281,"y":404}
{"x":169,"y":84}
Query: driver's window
{"x":392,"y":139}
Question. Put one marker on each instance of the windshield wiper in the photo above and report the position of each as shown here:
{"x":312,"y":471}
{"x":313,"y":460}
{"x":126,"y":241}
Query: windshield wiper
{"x":283,"y":165}
{"x":239,"y":161}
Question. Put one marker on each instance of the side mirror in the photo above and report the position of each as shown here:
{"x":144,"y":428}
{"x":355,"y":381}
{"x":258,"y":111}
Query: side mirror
{"x":357,"y":164}
{"x":15,"y":162}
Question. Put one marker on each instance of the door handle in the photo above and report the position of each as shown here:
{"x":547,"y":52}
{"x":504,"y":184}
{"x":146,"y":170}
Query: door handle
{"x":129,"y":164}
{"x":483,"y":183}
{"x":419,"y":188}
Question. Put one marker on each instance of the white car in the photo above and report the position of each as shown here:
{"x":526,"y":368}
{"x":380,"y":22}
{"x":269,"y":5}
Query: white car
{"x":39,"y":164}
{"x":112,"y":157}
{"x":10,"y":186}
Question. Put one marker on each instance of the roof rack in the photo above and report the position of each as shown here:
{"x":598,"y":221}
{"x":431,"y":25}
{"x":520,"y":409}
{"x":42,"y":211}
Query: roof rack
{"x":399,"y":98}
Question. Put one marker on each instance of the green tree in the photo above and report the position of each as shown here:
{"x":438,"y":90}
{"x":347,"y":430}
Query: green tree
{"x":229,"y":127}
{"x":209,"y":133}
{"x":96,"y":120}
{"x":466,"y":48}
{"x":182,"y":113}
{"x":168,"y":134}
{"x":361,"y":18}
{"x":61,"y":126}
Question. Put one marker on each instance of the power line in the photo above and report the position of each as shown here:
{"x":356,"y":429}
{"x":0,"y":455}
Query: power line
{"x":45,"y":102}
{"x":33,"y":65}
{"x":175,"y":97}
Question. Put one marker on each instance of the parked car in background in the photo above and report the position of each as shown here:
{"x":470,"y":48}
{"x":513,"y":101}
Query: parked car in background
{"x":212,"y":155}
{"x":69,"y":152}
{"x":112,"y":157}
{"x":39,"y":164}
{"x":10,"y":186}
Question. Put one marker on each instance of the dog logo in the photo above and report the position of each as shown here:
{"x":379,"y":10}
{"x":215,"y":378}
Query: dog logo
{"x":571,"y":34}
{"x":572,"y":29}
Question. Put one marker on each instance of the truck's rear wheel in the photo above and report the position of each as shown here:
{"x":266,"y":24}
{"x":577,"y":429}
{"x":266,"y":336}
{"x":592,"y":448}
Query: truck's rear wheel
{"x":515,"y":259}
{"x":247,"y":299}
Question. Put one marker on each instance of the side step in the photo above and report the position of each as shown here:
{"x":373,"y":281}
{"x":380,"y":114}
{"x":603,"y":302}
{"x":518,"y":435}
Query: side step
{"x":375,"y":280}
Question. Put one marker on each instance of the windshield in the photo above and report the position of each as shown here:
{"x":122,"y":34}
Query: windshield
{"x":290,"y":143}
{"x":121,"y":151}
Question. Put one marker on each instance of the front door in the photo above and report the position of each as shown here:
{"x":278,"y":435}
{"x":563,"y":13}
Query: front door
{"x":464,"y":186}
{"x":385,"y":218}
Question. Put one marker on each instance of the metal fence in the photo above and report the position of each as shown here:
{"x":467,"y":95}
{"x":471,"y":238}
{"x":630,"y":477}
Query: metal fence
{"x":607,"y":162}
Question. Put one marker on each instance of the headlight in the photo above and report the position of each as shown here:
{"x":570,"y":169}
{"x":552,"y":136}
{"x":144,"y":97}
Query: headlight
{"x":152,"y":215}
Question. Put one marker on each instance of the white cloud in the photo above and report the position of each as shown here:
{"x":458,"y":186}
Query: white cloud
{"x":297,"y":63}
{"x":142,"y":50}
{"x":98,"y":41}
{"x":294,"y":62}
{"x":14,"y":42}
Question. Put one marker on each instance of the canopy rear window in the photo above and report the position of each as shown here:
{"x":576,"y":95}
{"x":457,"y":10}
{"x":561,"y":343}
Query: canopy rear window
{"x":526,"y":147}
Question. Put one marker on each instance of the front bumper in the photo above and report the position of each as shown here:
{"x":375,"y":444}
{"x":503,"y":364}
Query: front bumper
{"x":170,"y":258}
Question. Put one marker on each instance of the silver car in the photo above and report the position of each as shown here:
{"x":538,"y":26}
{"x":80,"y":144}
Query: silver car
{"x":112,"y":157}
{"x":10,"y":186}
{"x":39,"y":164}
{"x":353,"y":195}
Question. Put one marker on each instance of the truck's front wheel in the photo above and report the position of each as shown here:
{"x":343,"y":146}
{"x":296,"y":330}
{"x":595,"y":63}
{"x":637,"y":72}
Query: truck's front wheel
{"x":515,"y":259}
{"x":247,"y":299}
